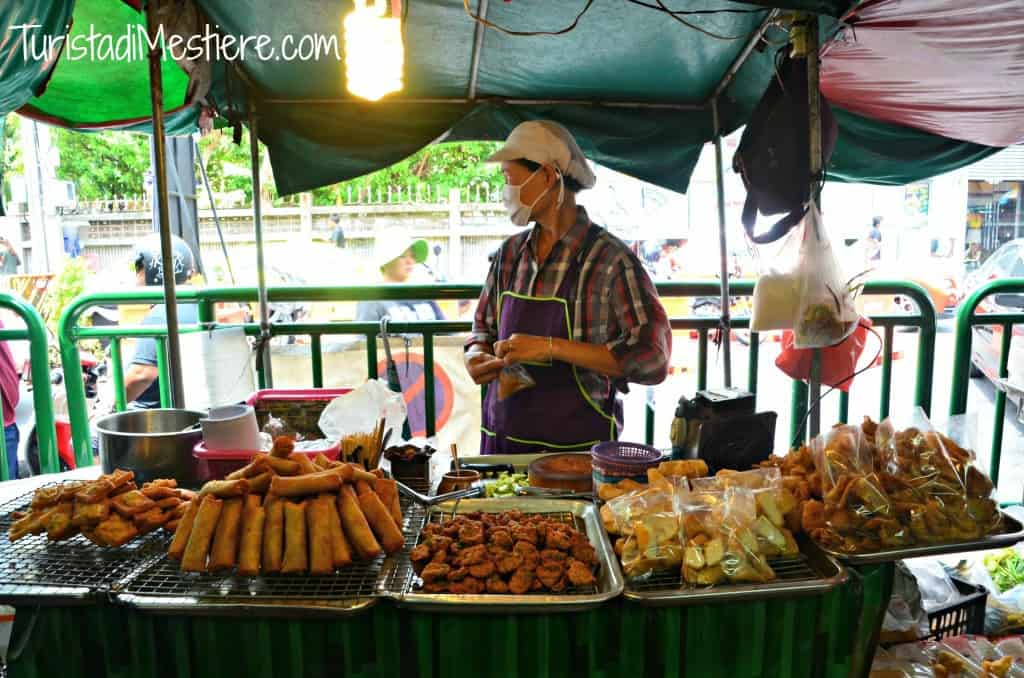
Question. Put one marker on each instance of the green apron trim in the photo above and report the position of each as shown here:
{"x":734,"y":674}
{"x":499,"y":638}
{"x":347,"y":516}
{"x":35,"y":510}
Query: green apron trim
{"x":543,"y":443}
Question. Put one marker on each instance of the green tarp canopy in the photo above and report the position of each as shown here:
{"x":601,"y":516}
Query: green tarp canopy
{"x":598,"y":79}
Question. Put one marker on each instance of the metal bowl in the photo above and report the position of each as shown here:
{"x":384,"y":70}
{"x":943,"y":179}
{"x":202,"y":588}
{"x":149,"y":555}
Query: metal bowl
{"x":152,"y":443}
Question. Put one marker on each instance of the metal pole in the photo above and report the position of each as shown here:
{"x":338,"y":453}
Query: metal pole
{"x":478,"y":42}
{"x":261,"y":277}
{"x":723,"y":251}
{"x":814,"y":120}
{"x":156,"y":89}
{"x":216,"y":218}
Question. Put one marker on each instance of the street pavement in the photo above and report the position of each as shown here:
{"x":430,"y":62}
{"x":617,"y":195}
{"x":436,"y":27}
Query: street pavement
{"x":774,"y":389}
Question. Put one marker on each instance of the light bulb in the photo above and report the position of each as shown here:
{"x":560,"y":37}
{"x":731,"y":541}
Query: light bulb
{"x":374,"y":53}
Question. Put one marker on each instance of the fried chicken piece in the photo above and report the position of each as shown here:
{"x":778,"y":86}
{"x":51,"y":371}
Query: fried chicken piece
{"x":813,"y":516}
{"x":439,"y":557}
{"x":420,"y":554}
{"x":497,"y":552}
{"x":525,"y":533}
{"x":482,"y":570}
{"x":520,"y":582}
{"x":468,"y":586}
{"x":524,"y":548}
{"x":557,"y":538}
{"x":500,"y":537}
{"x":438,"y":543}
{"x":580,"y":574}
{"x":433,"y":530}
{"x":496,"y":584}
{"x":437,"y":587}
{"x":536,"y":585}
{"x":474,"y":555}
{"x":458,"y":574}
{"x":584,"y":552}
{"x":435,"y":572}
{"x":471,"y":534}
{"x":549,"y":572}
{"x":509,"y":564}
{"x":46,"y":496}
{"x":553,"y":555}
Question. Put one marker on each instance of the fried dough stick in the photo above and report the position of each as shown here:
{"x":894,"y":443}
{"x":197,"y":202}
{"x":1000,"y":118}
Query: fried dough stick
{"x":357,"y":529}
{"x":203,"y":528}
{"x":295,"y":555}
{"x":224,"y":553}
{"x":299,"y":486}
{"x":341,"y":551}
{"x":387,"y":490}
{"x":321,"y":556}
{"x":380,"y":520}
{"x":273,"y":535}
{"x":184,"y":531}
{"x":249,"y":551}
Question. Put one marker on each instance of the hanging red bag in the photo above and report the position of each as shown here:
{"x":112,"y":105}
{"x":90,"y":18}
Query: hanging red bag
{"x":838,"y":363}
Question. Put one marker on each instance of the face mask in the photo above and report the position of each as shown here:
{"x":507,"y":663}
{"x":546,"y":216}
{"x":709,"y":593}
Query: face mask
{"x":519,"y":212}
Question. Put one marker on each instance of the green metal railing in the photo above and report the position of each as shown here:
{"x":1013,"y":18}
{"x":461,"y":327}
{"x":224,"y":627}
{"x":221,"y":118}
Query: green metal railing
{"x":966,"y":321}
{"x":205,"y":299}
{"x":35,"y":334}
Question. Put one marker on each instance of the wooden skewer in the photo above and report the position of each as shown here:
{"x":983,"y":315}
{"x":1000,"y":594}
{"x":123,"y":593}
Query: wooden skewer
{"x":455,"y":456}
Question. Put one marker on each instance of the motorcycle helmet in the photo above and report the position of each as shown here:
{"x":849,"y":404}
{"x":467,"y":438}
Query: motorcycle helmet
{"x":147,"y":257}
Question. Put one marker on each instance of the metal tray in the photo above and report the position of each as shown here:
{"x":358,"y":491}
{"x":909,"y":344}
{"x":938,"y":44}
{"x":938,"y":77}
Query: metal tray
{"x":400,"y":582}
{"x":160,"y":587}
{"x":1013,"y":532}
{"x":37,"y":570}
{"x":812,"y":573}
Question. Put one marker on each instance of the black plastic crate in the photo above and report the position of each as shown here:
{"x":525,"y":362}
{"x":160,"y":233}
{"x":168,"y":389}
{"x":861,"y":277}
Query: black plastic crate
{"x":967,"y":615}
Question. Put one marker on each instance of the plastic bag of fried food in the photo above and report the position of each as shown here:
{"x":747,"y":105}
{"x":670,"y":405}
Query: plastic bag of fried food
{"x":936,"y":490}
{"x":721,"y":541}
{"x":855,"y":513}
{"x":776,"y":504}
{"x":648,"y":523}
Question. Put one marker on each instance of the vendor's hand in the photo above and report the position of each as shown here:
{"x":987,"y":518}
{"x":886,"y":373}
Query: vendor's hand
{"x":483,"y":367}
{"x":520,"y":348}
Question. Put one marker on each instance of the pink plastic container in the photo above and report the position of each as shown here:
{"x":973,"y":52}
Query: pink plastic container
{"x":301,"y":408}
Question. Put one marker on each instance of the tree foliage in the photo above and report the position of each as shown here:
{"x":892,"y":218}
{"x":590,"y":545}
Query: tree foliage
{"x":103,"y":165}
{"x":109,"y":164}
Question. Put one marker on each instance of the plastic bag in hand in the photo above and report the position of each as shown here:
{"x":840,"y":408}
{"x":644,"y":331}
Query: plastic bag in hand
{"x":512,"y":380}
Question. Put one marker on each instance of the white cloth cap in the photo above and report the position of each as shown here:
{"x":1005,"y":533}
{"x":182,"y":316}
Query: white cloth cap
{"x":547,"y":143}
{"x":391,"y":243}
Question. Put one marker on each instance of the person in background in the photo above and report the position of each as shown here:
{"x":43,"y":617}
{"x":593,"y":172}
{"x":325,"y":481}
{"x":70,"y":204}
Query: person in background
{"x":669,"y":259}
{"x":337,"y":232}
{"x":142,"y":380}
{"x":9,"y":259}
{"x":11,"y":394}
{"x":875,"y":240}
{"x":396,"y":255}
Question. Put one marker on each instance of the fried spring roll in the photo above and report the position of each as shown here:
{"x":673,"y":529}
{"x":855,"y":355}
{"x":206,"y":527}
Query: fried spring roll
{"x":377,"y":472}
{"x":184,"y":531}
{"x":249,"y":551}
{"x":172,"y":525}
{"x":379,"y":518}
{"x":282,"y":467}
{"x":341,"y":552}
{"x":321,"y":461}
{"x":203,"y":527}
{"x":283,"y":447}
{"x":358,"y":531}
{"x":299,"y":486}
{"x":224,"y":553}
{"x":362,"y":487}
{"x":225,"y":489}
{"x":253,"y":500}
{"x":261,"y":484}
{"x":356,"y":473}
{"x":305,"y":465}
{"x":295,"y":556}
{"x":186,"y":495}
{"x":273,"y":535}
{"x":254,"y":468}
{"x":387,"y":490}
{"x":321,"y":556}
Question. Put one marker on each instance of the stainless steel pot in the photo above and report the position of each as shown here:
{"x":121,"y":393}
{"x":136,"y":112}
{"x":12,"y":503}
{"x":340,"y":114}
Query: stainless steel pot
{"x":152,"y":443}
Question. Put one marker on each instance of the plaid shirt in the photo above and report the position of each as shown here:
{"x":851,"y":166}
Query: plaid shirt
{"x":616,"y":303}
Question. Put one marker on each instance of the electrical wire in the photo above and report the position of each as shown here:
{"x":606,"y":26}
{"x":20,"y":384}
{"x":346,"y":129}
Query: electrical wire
{"x":695,"y":12}
{"x":675,"y":15}
{"x":821,"y":397}
{"x":506,"y":31}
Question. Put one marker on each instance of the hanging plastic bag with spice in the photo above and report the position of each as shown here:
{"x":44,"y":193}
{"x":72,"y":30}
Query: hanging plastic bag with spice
{"x":838,"y":363}
{"x":826,"y":310}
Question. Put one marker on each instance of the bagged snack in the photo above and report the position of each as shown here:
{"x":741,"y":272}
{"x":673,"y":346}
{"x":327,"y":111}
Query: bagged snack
{"x":702,"y":536}
{"x":855,"y":514}
{"x":743,"y":560}
{"x":826,"y":310}
{"x":649,"y":526}
{"x":512,"y":380}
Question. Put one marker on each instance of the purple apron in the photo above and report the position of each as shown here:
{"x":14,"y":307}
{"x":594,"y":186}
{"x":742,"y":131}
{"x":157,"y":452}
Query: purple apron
{"x":557,"y":414}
